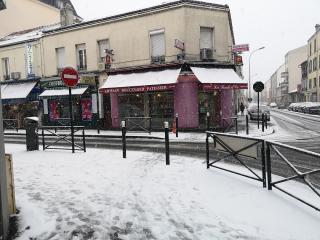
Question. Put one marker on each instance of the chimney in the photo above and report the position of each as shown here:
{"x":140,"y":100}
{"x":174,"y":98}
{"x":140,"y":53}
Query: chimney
{"x":317,"y":27}
{"x":66,"y":15}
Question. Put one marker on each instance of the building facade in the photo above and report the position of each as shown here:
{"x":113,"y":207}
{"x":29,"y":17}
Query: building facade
{"x":170,"y":59}
{"x":32,"y":14}
{"x":313,"y":92}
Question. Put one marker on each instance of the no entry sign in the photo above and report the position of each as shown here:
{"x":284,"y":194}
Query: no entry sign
{"x":70,"y":77}
{"x":258,"y":86}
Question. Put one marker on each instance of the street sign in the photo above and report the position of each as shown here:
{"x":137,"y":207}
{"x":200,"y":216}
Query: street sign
{"x":240,"y":48}
{"x":258,"y":87}
{"x":179,"y":44}
{"x":70,"y":76}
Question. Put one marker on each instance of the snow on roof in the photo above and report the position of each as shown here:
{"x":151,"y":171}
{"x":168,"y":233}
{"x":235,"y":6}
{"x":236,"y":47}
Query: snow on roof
{"x":26,"y":35}
{"x":62,"y":92}
{"x":16,"y":91}
{"x":142,"y":79}
{"x":217,"y":75}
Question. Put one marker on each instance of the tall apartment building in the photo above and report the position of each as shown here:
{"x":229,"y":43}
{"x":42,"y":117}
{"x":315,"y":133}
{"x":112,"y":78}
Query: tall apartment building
{"x":313,"y":89}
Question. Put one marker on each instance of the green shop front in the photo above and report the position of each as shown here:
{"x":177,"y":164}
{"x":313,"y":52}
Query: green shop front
{"x":55,"y":102}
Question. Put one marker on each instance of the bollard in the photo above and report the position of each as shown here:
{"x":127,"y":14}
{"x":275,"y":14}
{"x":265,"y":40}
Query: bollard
{"x":208,"y":121}
{"x":263,"y":119}
{"x":124,"y":145}
{"x":207,"y":151}
{"x":166,"y":136}
{"x":247,"y":124}
{"x":84,"y":140}
{"x":268,"y":163}
{"x":266,"y":121}
{"x":236,"y":125}
{"x":177,"y":124}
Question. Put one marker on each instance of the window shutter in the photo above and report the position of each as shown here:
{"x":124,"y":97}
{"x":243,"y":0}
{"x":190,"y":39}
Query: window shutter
{"x":157,"y":44}
{"x":60,"y":57}
{"x":103,"y":45}
{"x":206,"y":37}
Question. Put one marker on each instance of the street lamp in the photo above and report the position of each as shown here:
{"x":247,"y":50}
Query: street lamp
{"x":249,"y":85}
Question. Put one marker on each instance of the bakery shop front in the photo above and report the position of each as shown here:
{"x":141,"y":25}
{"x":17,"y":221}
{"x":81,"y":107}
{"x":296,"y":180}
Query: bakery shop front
{"x":161,"y":95}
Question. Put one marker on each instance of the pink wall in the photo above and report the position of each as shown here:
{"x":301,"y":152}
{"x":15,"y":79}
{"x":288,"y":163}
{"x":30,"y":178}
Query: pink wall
{"x":226,"y":104}
{"x":186,"y":102}
{"x":115,"y":110}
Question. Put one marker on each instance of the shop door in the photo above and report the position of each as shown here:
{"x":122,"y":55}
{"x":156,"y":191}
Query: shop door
{"x":107,"y":122}
{"x":209,"y":102}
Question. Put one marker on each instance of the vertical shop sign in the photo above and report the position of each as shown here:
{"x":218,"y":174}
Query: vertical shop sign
{"x":29,"y":60}
{"x":54,"y":112}
{"x":45,"y":106}
{"x":86,"y":109}
{"x":94,"y":103}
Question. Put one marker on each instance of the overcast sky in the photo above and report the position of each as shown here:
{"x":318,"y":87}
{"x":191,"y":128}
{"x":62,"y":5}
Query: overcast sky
{"x":279,"y":25}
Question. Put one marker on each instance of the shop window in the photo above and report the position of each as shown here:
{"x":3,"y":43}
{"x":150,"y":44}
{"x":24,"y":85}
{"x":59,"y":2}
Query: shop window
{"x":158,"y":48}
{"x":86,"y":109}
{"x":161,"y":104}
{"x":131,"y":105}
{"x":81,"y":57}
{"x":59,"y":109}
{"x":60,"y":57}
{"x":5,"y":68}
{"x":103,"y":46}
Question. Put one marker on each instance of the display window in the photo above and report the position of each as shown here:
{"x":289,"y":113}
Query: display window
{"x":86,"y":109}
{"x":209,"y":102}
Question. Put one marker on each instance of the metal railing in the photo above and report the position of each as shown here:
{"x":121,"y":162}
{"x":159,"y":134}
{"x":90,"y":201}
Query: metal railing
{"x":61,"y":134}
{"x":10,"y":124}
{"x":240,"y":149}
{"x":300,"y":167}
{"x":139,"y":123}
{"x":228,"y":123}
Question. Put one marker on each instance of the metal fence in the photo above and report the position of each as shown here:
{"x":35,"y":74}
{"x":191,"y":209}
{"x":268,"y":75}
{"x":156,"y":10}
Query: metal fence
{"x":275,"y":160}
{"x":56,"y":135}
{"x":139,"y":124}
{"x":245,"y":151}
{"x":10,"y":124}
{"x":288,"y":163}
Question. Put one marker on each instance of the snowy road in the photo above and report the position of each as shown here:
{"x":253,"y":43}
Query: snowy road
{"x":99,"y":195}
{"x":296,"y":129}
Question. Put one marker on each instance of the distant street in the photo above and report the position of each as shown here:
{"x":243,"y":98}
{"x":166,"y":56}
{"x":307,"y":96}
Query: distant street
{"x":296,"y":129}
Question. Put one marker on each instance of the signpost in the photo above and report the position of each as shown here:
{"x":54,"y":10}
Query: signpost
{"x":70,"y":78}
{"x":240,"y":48}
{"x":258,"y":87}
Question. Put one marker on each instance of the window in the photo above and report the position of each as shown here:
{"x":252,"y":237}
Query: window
{"x":310,"y":84}
{"x":319,"y":82}
{"x":310,"y":49}
{"x":310,"y":66}
{"x":81,"y":57}
{"x":157,"y":42}
{"x":5,"y":68}
{"x":60,"y":57}
{"x":315,"y":45}
{"x":314,"y":82}
{"x":315,"y":64}
{"x":103,"y":45}
{"x":206,"y":37}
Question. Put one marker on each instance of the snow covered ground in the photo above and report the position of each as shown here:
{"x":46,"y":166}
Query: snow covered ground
{"x":99,"y":195}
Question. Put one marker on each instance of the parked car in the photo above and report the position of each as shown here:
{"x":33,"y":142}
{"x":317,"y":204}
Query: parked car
{"x":313,"y":108}
{"x":273,"y":105}
{"x":253,"y":111}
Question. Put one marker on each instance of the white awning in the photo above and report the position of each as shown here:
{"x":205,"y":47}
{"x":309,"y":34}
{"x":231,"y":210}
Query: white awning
{"x":217,"y":75}
{"x":16,"y":90}
{"x":63,"y":92}
{"x":134,"y":82}
{"x":294,"y":91}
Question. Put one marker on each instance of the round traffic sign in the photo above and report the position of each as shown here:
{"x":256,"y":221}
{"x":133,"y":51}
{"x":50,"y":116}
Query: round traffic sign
{"x":258,"y":86}
{"x":70,"y":76}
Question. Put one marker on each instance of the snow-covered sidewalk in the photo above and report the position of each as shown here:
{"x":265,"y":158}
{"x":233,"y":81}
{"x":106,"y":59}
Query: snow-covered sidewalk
{"x":99,"y":195}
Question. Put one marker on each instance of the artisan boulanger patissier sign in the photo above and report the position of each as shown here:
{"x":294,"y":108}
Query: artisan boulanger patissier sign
{"x":153,"y":88}
{"x":214,"y":86}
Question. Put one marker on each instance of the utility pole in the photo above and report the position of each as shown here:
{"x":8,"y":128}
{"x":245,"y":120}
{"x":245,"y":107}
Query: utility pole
{"x":4,"y":211}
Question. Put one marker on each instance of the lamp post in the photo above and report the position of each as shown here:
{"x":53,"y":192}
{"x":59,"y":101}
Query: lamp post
{"x":249,"y":85}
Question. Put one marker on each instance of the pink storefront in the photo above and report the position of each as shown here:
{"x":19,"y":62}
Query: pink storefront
{"x":161,"y":95}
